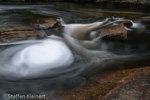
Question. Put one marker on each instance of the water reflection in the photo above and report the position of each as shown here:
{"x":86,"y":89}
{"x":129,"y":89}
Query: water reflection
{"x":12,"y":15}
{"x":30,"y":14}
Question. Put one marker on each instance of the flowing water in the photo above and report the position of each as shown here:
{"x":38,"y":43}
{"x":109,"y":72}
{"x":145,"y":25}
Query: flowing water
{"x":57,"y":62}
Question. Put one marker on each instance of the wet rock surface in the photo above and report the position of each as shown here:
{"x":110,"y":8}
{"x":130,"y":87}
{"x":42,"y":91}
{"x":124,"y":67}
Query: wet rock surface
{"x":134,"y":87}
{"x":49,"y":23}
{"x":11,"y":34}
{"x":114,"y":32}
{"x":127,"y":84}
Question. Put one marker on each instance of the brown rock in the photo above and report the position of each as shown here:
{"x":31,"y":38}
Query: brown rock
{"x":134,"y":87}
{"x":128,"y":84}
{"x":127,"y":23}
{"x":114,"y":32}
{"x":8,"y":29}
{"x":50,"y":27}
{"x":11,"y":34}
{"x":49,"y":23}
{"x":50,"y":20}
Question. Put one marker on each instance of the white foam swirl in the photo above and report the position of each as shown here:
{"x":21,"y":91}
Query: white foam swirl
{"x":36,"y":59}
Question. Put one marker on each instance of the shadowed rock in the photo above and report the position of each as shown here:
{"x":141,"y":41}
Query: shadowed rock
{"x":145,"y":20}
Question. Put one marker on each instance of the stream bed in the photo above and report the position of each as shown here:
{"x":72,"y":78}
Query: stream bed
{"x":54,"y":63}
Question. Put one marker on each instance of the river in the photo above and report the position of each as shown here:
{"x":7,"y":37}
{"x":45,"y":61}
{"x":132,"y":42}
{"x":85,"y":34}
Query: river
{"x":54,"y":63}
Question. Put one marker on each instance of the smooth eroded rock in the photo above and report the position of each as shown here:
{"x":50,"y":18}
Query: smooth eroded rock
{"x":11,"y":34}
{"x":114,"y":32}
{"x":110,"y":85}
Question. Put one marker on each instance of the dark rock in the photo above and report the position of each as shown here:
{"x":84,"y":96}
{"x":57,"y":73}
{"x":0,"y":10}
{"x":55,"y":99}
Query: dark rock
{"x":127,"y":23}
{"x":145,"y":20}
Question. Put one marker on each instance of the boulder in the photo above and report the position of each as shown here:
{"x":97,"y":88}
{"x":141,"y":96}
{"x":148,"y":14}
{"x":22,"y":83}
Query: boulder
{"x":114,"y":32}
